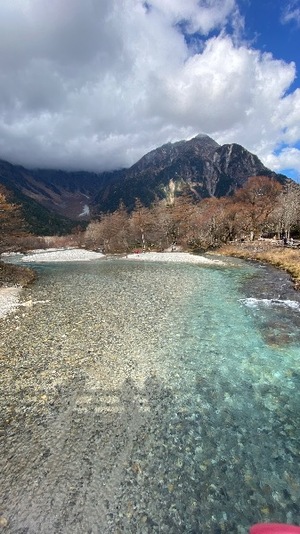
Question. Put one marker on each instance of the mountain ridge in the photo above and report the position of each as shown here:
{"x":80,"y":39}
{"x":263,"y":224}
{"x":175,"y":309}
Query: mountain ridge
{"x":200,"y":164}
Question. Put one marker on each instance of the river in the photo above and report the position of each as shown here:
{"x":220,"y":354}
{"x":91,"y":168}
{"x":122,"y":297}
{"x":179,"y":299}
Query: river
{"x":151,"y":398}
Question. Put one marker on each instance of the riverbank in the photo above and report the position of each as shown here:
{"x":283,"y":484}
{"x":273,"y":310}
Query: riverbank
{"x":58,"y":255}
{"x":12,"y":276}
{"x":177,"y":257}
{"x":9,"y":299}
{"x":12,"y":279}
{"x":17,"y":275}
{"x":285,"y":258}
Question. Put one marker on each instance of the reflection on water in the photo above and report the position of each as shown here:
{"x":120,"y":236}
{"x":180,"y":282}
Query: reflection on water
{"x":150,"y":398}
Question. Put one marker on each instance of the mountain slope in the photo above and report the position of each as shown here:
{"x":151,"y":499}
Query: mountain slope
{"x":40,"y":220}
{"x":200,"y":164}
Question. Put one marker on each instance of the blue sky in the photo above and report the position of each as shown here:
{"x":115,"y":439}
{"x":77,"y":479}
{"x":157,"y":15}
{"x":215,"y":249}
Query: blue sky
{"x":274,"y":26}
{"x":96,"y":84}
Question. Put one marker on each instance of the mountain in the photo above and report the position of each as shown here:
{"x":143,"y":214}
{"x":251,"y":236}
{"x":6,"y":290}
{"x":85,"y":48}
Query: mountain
{"x":53,"y":202}
{"x":200,"y":164}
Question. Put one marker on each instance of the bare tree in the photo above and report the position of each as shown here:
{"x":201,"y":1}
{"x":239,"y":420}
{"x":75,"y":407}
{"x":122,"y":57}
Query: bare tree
{"x":257,"y":199}
{"x":286,"y":214}
{"x":162,"y":224}
{"x":142,"y":225}
{"x":12,"y":223}
{"x":110,"y":233}
{"x":181,"y":212}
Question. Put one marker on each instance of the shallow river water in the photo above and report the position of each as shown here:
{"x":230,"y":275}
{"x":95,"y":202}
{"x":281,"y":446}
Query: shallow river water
{"x":150,"y":397}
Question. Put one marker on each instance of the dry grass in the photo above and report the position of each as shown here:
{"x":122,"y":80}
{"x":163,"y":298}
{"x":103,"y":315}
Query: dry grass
{"x":284,"y":258}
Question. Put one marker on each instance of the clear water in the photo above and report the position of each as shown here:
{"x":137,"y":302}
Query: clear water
{"x":151,"y":398}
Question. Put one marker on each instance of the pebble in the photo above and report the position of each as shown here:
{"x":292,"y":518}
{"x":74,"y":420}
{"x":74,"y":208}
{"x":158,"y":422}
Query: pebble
{"x":3,"y":521}
{"x":107,"y":428}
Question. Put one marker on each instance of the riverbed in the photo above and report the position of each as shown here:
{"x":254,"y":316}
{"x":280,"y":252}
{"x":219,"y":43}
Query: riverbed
{"x":150,"y":397}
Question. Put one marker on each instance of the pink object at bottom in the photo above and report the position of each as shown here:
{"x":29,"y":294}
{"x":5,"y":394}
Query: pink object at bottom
{"x":274,"y":528}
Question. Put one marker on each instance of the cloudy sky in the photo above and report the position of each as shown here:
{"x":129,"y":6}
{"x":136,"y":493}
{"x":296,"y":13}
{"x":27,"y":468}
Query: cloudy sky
{"x":95,"y":84}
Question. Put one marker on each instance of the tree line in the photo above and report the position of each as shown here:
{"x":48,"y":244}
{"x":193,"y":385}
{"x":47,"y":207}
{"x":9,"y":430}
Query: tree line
{"x":261,"y":207}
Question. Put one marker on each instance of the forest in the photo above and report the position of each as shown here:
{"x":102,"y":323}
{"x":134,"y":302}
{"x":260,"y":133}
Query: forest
{"x":262,"y":207}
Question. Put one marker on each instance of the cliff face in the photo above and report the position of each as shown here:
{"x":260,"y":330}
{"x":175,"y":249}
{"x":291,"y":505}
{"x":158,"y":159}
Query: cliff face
{"x":200,"y":164}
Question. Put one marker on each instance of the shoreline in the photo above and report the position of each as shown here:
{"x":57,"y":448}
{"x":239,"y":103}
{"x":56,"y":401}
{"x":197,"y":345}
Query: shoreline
{"x":52,"y":255}
{"x":10,"y":296}
{"x":55,"y":255}
{"x":176,"y":257}
{"x":10,"y":292}
{"x":283,"y":258}
{"x":9,"y":300}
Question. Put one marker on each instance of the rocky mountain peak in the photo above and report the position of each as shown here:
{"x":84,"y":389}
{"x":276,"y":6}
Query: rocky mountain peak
{"x":202,"y":146}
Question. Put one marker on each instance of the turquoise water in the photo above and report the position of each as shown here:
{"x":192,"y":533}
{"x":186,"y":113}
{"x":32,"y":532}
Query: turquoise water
{"x":152,"y":398}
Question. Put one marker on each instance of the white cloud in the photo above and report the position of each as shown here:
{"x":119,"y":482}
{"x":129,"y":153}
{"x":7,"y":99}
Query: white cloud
{"x":96,"y":84}
{"x":291,"y":13}
{"x":288,"y":158}
{"x":202,"y":16}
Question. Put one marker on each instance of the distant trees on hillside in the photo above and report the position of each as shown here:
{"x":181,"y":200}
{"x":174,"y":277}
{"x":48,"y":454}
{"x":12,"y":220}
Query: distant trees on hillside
{"x":262,"y":205}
